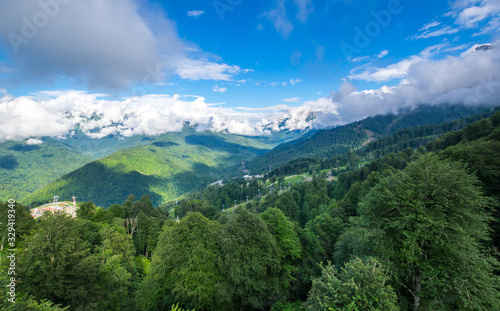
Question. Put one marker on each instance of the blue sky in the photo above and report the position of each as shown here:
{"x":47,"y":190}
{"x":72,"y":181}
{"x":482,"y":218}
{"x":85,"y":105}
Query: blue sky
{"x":237,"y":53}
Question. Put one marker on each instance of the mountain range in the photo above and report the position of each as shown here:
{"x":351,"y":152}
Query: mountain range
{"x":168,"y":166}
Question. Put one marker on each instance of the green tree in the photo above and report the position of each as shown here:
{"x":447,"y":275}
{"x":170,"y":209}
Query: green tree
{"x":86,"y":210}
{"x":251,"y":264}
{"x":23,"y":223}
{"x":360,"y":286}
{"x":482,"y":158}
{"x":56,"y":264}
{"x":430,"y":222}
{"x":286,"y":238}
{"x":184,"y":266}
{"x":328,"y":229}
{"x":116,"y":268}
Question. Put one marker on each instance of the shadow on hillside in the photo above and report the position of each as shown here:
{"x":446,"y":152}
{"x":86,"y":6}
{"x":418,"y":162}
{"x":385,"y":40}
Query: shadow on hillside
{"x":8,"y":162}
{"x":219,"y":143}
{"x":24,"y":148}
{"x":103,"y":185}
{"x":164,"y":144}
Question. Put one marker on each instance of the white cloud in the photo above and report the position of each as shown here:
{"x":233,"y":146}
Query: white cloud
{"x":279,"y":19}
{"x":467,"y":14}
{"x":111,"y":43}
{"x":305,"y":9}
{"x":281,"y":22}
{"x":115,"y":44}
{"x":482,"y":14}
{"x":195,"y":13}
{"x":430,"y":25}
{"x":292,"y":100}
{"x":360,"y":59}
{"x":383,"y":54}
{"x":473,"y":79}
{"x":205,"y":70}
{"x":492,"y":26}
{"x":472,"y":15}
{"x":34,"y":141}
{"x":445,"y":30}
{"x":286,"y":83}
{"x":219,"y":89}
{"x":394,"y":71}
{"x":26,"y":117}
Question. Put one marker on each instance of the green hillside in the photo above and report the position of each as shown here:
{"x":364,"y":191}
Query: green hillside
{"x":98,"y":148}
{"x":340,"y":140}
{"x":166,"y":168}
{"x":26,"y":168}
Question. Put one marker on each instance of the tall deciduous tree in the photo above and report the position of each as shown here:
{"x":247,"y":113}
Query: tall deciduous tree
{"x":287,"y":240}
{"x":184,"y":266}
{"x":430,"y":222}
{"x":251,"y":264}
{"x":57,"y":264}
{"x":361,"y":285}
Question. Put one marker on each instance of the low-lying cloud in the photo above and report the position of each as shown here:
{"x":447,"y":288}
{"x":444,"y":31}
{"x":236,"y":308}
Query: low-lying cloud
{"x":471,"y":79}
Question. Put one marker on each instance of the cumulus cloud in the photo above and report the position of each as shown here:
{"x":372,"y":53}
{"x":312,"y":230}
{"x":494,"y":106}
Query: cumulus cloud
{"x":114,"y":44}
{"x":398,"y":70}
{"x":472,"y":79}
{"x":205,"y":70}
{"x":34,"y":141}
{"x":35,"y":117}
{"x":383,"y":54}
{"x":470,"y":13}
{"x":105,"y":44}
{"x":394,"y":71}
{"x":219,"y":89}
{"x":195,"y":13}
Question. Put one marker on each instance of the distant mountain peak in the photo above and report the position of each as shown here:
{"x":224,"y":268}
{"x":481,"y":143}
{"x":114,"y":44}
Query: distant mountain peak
{"x":478,"y":48}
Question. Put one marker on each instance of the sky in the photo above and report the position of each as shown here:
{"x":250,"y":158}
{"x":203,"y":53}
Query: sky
{"x":132,"y":67}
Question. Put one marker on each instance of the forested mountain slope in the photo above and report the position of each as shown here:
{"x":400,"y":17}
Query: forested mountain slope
{"x":26,"y":168}
{"x":340,"y":140}
{"x":166,"y":168}
{"x":412,"y":215}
